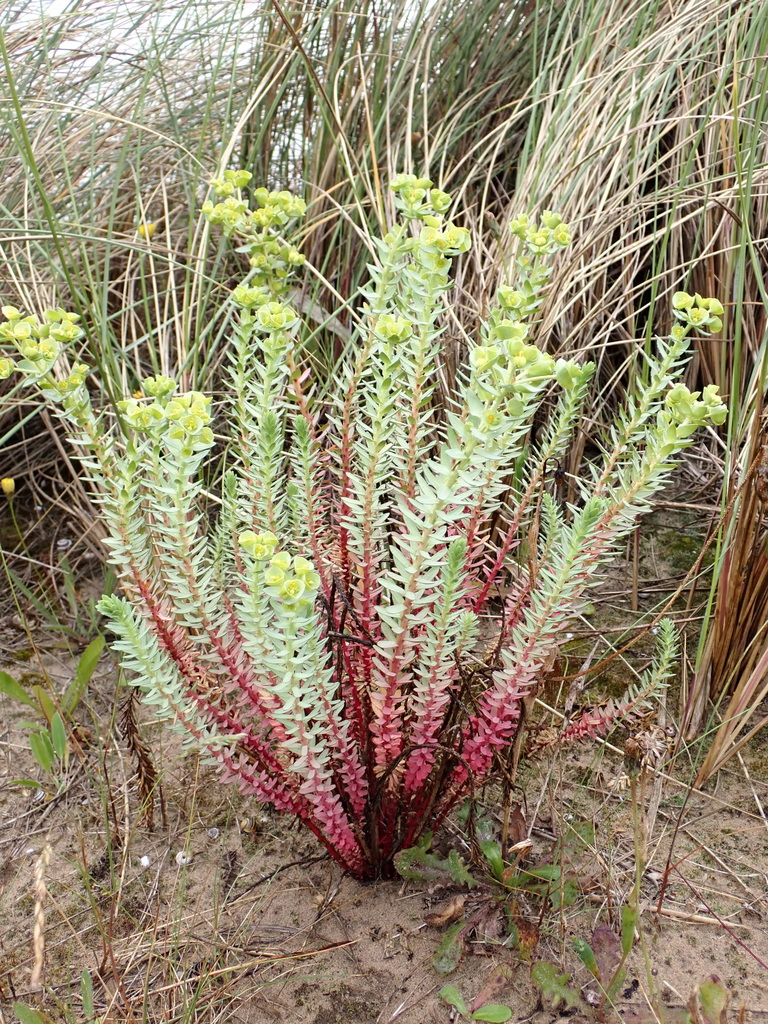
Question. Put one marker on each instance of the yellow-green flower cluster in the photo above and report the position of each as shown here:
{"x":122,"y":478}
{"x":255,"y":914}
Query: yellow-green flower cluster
{"x":392,"y":328}
{"x":189,"y":416}
{"x":182,"y":421}
{"x":39,"y":343}
{"x":484,"y":357}
{"x":142,"y":416}
{"x":522,"y":360}
{"x":438,"y":239}
{"x":685,"y":411}
{"x":260,"y":546}
{"x":277,"y":207}
{"x":569,"y":374}
{"x":230,"y":214}
{"x":418,"y":197}
{"x":159,"y":387}
{"x":512,"y":300}
{"x":694,"y":407}
{"x":516,"y":360}
{"x":694,"y":311}
{"x":521,"y":303}
{"x":291,"y":583}
{"x":444,"y":239}
{"x":271,"y":257}
{"x":60,"y":325}
{"x":544,"y":238}
{"x":249,"y":296}
{"x":275,"y":316}
{"x":504,"y":374}
{"x":507,"y":371}
{"x":232,"y":180}
{"x":68,"y":385}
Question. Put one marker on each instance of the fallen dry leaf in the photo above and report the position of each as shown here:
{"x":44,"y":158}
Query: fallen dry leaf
{"x":448,"y":912}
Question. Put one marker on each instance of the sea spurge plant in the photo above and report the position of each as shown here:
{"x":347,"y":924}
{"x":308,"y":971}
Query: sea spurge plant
{"x":315,"y":633}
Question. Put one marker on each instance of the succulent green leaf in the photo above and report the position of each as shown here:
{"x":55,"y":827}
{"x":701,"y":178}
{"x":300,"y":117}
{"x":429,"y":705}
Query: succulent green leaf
{"x":584,"y":952}
{"x":42,"y":749}
{"x":86,"y":666}
{"x":59,"y":736}
{"x":451,"y":948}
{"x":12,"y":688}
{"x":494,"y":1012}
{"x":453,"y":997}
{"x":628,"y":927}
{"x":28,"y":1015}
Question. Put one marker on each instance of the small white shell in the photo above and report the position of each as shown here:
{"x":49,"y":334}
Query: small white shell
{"x":183,"y":859}
{"x":145,"y":861}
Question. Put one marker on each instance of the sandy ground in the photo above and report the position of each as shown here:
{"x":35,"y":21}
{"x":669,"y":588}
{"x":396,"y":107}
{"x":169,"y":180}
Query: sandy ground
{"x":226,"y":911}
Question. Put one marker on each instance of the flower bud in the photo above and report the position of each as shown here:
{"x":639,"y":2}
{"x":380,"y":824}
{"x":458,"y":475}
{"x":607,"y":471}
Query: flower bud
{"x":483,"y":357}
{"x":567,"y":373}
{"x":393,"y":328}
{"x":159,"y":386}
{"x":440,"y":200}
{"x":510,"y":299}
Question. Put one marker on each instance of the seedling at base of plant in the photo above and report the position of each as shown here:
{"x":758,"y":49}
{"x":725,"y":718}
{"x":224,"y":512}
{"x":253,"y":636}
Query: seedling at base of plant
{"x":491,"y":912}
{"x":496,"y":1012}
{"x":313,"y":639}
{"x":707,"y":1004}
{"x":48,"y":740}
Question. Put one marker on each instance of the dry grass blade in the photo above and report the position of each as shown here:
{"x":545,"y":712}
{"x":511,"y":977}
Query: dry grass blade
{"x":733,"y":669}
{"x":147,"y":780}
{"x":38,"y":931}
